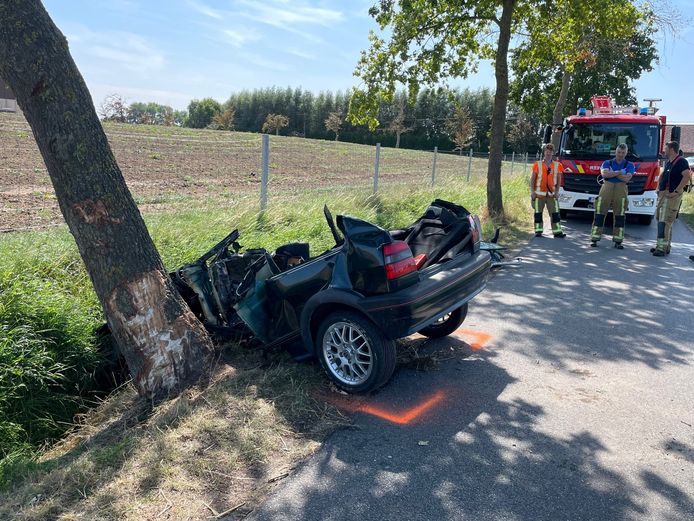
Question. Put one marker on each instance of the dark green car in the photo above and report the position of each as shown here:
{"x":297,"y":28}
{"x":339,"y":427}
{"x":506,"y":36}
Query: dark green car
{"x":347,"y":305}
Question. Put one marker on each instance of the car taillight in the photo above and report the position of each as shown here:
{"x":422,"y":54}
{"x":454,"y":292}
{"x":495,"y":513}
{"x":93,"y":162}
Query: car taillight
{"x":398,"y":260}
{"x":474,"y":227}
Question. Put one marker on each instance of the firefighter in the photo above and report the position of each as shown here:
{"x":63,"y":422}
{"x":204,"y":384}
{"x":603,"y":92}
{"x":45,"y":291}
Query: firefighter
{"x":674,"y":178}
{"x":616,"y":173}
{"x":544,"y":191}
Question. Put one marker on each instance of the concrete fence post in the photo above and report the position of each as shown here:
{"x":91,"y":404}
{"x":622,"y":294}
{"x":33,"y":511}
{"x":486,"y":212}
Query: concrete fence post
{"x":433,"y":167}
{"x":376,"y":165}
{"x":513,"y":160}
{"x":265,"y":167}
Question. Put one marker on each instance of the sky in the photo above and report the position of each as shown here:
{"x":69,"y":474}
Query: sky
{"x":174,"y":51}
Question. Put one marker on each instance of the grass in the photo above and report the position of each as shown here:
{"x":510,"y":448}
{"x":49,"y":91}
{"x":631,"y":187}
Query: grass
{"x":687,"y":211}
{"x":211,"y":448}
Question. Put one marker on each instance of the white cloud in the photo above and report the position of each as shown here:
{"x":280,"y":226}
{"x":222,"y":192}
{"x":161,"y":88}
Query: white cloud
{"x":301,"y":54}
{"x":239,"y":37}
{"x":131,"y":51}
{"x":206,"y":10}
{"x":287,"y":18}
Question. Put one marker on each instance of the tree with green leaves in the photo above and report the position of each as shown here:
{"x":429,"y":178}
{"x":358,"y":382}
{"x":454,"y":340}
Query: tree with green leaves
{"x":151,"y":114}
{"x":431,"y":41}
{"x":333,"y":123}
{"x":224,"y":120}
{"x":523,"y":134}
{"x":274,"y":123}
{"x":202,"y":112}
{"x":604,"y":40}
{"x":538,"y":88}
{"x":397,"y":125}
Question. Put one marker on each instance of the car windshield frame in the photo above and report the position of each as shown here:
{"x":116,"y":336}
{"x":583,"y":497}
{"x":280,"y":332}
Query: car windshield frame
{"x":598,"y":141}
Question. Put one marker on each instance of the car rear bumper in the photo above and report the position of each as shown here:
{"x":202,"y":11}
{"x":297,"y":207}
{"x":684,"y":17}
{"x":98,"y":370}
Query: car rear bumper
{"x":441,"y":289}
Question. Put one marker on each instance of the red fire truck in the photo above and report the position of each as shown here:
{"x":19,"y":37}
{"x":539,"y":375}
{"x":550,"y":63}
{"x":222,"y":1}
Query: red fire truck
{"x":591,"y":136}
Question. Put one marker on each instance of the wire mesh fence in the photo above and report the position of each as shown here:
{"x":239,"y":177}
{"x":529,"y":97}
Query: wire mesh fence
{"x":169,"y":169}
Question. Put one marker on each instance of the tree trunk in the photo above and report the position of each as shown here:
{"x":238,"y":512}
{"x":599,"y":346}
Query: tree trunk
{"x":495,"y":205}
{"x":558,"y":114}
{"x":164,"y":345}
{"x":397,"y":140}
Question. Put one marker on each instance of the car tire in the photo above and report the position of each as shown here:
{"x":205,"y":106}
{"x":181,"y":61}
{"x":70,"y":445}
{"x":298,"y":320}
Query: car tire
{"x":355,"y":354}
{"x":563,"y":213}
{"x":646,"y":219}
{"x":446,"y":324}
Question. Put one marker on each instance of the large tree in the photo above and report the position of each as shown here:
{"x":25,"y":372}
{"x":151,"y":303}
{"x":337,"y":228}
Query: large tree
{"x":431,"y":41}
{"x":537,"y":87}
{"x":601,"y":43}
{"x":164,"y":345}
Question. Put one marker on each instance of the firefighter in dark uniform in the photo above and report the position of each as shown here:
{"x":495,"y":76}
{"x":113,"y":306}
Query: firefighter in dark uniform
{"x":616,"y":173}
{"x":675,"y":177}
{"x":544,"y":190}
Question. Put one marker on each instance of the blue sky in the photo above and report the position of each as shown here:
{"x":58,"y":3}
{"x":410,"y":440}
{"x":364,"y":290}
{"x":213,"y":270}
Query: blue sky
{"x":173,"y":51}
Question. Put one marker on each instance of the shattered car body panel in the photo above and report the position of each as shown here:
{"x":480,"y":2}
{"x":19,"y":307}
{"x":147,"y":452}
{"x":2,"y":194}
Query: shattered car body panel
{"x":348,"y":304}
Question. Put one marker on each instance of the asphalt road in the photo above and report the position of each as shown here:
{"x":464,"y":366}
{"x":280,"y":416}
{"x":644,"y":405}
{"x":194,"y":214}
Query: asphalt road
{"x":580,"y":405}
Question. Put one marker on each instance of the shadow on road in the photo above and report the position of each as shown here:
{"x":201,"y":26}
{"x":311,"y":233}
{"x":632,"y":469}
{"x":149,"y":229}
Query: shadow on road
{"x":628,"y":300}
{"x":486,"y":458}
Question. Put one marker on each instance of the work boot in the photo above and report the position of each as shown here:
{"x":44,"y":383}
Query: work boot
{"x":593,"y":244}
{"x":667,"y":251}
{"x":691,"y":258}
{"x":559,"y":235}
{"x":659,"y":253}
{"x":618,"y":245}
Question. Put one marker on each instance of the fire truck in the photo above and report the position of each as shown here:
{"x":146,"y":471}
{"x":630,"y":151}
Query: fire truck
{"x":591,"y":136}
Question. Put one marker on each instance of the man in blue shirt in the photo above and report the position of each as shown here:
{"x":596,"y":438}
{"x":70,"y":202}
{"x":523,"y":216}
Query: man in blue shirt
{"x":616,"y":173}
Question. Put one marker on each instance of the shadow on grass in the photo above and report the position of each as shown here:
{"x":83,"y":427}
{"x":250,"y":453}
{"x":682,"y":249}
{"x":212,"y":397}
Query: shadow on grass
{"x":218,"y":445}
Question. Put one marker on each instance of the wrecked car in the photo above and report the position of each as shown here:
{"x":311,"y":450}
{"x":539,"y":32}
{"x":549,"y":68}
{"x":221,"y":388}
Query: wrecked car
{"x":345,"y":306}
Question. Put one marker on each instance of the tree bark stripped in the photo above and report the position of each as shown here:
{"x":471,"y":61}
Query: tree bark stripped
{"x":165,"y":346}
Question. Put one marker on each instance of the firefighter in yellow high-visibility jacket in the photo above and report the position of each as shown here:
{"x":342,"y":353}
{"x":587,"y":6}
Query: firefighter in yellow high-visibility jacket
{"x":544,"y":191}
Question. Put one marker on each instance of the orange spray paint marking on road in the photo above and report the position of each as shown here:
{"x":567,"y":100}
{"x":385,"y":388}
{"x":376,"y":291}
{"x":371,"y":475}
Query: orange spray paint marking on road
{"x":480,"y":338}
{"x":401,"y":418}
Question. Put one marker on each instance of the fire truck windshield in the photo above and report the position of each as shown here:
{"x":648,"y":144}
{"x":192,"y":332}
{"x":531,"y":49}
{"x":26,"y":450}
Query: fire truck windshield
{"x":599,"y":140}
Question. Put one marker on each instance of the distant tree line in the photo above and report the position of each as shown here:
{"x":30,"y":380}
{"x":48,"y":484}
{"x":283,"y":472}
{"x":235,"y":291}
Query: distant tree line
{"x":451,"y":119}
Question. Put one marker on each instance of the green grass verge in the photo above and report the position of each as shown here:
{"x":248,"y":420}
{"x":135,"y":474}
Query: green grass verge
{"x":49,"y":359}
{"x":687,"y":211}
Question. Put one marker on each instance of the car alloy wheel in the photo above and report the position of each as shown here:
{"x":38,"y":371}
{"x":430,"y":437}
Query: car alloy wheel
{"x":347,"y":353}
{"x":354,"y":352}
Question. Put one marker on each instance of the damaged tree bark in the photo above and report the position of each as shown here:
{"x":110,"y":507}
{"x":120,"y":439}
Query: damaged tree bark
{"x":165,"y":346}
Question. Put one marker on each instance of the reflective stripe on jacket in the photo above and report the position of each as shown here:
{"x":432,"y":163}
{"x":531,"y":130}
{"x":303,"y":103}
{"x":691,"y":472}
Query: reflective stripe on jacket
{"x":545,"y":182}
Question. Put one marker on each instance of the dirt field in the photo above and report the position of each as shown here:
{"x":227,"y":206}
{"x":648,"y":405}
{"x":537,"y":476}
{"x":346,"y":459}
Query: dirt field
{"x":168,"y":168}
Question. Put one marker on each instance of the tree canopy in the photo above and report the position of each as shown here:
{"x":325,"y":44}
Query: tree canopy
{"x":202,"y":112}
{"x":428,"y":42}
{"x":432,"y":41}
{"x":574,"y":49}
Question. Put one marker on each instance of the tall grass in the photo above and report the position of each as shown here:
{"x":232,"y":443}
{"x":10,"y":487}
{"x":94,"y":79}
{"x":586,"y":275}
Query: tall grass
{"x":49,"y":356}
